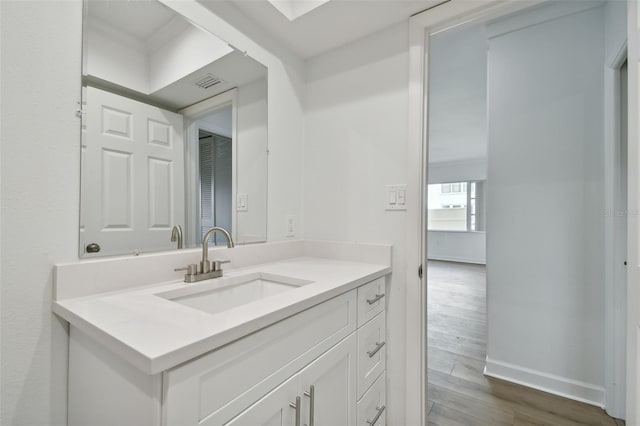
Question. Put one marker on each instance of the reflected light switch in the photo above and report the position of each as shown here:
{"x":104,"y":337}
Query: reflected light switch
{"x":243,"y":203}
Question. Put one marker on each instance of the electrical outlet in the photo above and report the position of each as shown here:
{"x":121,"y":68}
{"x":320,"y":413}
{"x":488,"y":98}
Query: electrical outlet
{"x":291,"y":226}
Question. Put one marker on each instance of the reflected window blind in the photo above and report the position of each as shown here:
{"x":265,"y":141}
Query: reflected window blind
{"x":206,"y":185}
{"x":215,"y":159}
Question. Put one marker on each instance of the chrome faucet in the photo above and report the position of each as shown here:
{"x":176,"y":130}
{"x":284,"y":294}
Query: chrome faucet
{"x":208,"y":269}
{"x":176,"y":235}
{"x":205,"y":265}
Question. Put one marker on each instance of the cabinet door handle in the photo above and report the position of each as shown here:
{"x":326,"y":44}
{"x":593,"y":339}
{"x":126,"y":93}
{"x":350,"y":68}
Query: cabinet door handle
{"x":375,"y":299}
{"x":296,"y":406}
{"x":312,"y":404}
{"x":375,"y":350}
{"x":378,"y":414}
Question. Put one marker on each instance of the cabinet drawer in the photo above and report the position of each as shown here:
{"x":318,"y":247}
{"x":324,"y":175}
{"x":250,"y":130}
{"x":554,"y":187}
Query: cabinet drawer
{"x":372,"y":406}
{"x":371,"y":300}
{"x":216,"y":387}
{"x":372,"y":352}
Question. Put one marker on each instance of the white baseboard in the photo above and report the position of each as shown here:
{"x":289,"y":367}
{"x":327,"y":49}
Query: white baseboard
{"x":557,"y":385}
{"x":459,"y":259}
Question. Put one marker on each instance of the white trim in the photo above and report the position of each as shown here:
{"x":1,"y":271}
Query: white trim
{"x":633,"y":231}
{"x":416,"y":303}
{"x":458,"y":13}
{"x":457,"y":231}
{"x":459,"y":259}
{"x":547,"y":12}
{"x":465,"y":162}
{"x":209,"y":105}
{"x":615,"y":298}
{"x":550,"y":383}
{"x":192,"y":197}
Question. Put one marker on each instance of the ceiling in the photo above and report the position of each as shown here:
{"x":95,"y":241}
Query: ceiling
{"x":330,"y":25}
{"x":234,"y":69}
{"x":140,"y":19}
{"x":150,"y":26}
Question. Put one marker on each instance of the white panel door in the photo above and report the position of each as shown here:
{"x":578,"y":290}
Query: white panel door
{"x":272,"y":410}
{"x":331,"y":382}
{"x":133,"y":175}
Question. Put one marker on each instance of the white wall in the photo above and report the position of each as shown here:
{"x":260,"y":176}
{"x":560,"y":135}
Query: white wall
{"x":458,"y":129}
{"x":457,"y":171}
{"x":546,"y":202}
{"x":116,"y":57}
{"x":356,"y":142}
{"x":458,"y":95}
{"x":286,"y":91}
{"x":186,"y":50}
{"x":218,"y":122}
{"x":40,"y":186}
{"x":40,"y":67}
{"x":252,"y":160}
{"x":148,"y":66}
{"x":467,"y":247}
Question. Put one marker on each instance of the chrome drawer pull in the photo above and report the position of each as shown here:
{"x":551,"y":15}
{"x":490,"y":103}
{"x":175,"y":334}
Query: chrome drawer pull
{"x":312,"y":404}
{"x":375,"y":299}
{"x":379,"y":346}
{"x":375,"y":419}
{"x":296,"y":406}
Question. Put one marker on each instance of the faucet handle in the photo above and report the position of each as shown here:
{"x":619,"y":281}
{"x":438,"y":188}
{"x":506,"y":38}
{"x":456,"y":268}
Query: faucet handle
{"x":191,"y":269}
{"x":216,"y":264}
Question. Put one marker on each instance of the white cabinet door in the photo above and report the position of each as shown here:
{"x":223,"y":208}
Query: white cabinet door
{"x":133,"y":174}
{"x":328,"y":387}
{"x":272,"y":410}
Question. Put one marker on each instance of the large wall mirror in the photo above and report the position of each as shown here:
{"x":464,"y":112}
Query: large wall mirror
{"x":174,"y":133}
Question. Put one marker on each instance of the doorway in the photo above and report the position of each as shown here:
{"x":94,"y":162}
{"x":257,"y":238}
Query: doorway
{"x":216,"y":180}
{"x":211,"y":169}
{"x":546,"y":185}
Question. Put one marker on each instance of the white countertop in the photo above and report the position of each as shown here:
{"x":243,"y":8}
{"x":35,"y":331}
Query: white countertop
{"x":155,"y":334}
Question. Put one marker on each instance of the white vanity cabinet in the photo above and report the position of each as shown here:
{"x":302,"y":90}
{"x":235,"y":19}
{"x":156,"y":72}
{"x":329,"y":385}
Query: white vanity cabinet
{"x":323,"y":366}
{"x":322,"y":394}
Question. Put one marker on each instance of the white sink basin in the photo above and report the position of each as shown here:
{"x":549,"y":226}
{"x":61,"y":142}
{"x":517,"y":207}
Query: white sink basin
{"x":221,"y":294}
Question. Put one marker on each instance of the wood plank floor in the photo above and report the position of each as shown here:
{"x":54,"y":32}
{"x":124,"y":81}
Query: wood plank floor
{"x":459,"y":394}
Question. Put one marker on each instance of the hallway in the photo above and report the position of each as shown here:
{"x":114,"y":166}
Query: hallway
{"x":459,"y":394}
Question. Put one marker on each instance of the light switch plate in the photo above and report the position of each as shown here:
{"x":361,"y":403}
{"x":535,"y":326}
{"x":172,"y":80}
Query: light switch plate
{"x":291,"y":226}
{"x":243,"y":203}
{"x":395,"y":197}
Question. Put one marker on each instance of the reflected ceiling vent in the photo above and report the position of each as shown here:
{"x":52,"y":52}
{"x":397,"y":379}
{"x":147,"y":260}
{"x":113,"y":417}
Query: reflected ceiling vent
{"x":207,"y":81}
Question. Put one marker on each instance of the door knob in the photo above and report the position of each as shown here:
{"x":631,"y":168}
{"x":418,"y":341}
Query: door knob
{"x":93,"y":248}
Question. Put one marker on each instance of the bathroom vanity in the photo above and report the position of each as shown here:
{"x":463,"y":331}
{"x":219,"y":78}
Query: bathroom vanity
{"x":294,"y":333}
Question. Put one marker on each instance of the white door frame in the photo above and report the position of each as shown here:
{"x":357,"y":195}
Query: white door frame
{"x":615,"y":290}
{"x":192,"y":195}
{"x":421,"y":26}
{"x":633,"y":225}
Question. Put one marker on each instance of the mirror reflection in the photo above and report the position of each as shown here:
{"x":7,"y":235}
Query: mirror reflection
{"x":174,"y":133}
